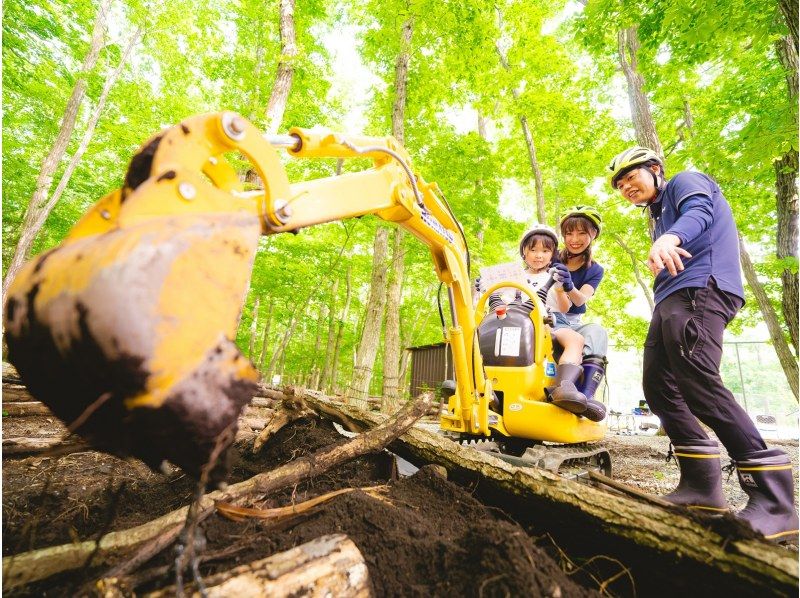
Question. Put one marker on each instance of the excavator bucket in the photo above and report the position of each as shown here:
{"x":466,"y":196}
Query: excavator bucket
{"x":125,"y":330}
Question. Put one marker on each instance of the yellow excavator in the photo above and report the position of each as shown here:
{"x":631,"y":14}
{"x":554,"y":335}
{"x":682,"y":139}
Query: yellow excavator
{"x":125,"y":329}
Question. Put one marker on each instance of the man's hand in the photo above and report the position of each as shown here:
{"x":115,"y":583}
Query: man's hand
{"x":665,"y":253}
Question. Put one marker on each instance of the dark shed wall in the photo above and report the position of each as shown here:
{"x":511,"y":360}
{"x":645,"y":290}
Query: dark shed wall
{"x":430,"y":366}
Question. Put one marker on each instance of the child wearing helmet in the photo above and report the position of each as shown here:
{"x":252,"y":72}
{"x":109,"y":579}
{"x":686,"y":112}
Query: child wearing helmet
{"x":538,"y":249}
{"x":698,"y":290}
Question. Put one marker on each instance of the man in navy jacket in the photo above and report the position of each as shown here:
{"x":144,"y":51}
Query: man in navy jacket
{"x":698,"y":290}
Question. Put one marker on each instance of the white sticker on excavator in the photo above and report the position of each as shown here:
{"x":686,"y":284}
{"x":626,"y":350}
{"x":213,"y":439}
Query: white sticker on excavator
{"x":509,"y":344}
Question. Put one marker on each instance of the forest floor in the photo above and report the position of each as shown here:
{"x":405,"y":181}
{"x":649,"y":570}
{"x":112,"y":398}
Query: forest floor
{"x":422,"y":536}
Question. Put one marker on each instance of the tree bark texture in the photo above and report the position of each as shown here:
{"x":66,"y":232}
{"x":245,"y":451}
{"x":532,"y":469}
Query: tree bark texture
{"x":786,"y":170}
{"x":391,"y":345}
{"x":276,"y":361}
{"x":38,"y":203}
{"x":537,"y":171}
{"x":358,"y":389}
{"x":628,"y":46}
{"x":253,"y":331}
{"x":88,"y":133}
{"x":333,"y":381}
{"x":331,"y":338}
{"x":283,"y":79}
{"x":313,"y":378}
{"x":262,"y":356}
{"x":328,"y":566}
{"x":620,"y":527}
{"x":27,"y":567}
{"x":787,"y":360}
{"x":789,"y":9}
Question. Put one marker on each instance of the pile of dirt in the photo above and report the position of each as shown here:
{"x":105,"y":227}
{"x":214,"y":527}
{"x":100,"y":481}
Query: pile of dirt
{"x":422,"y":536}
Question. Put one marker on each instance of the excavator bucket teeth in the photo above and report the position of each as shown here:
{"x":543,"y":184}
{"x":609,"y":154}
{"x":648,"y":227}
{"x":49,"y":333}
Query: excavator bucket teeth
{"x":126,"y":336}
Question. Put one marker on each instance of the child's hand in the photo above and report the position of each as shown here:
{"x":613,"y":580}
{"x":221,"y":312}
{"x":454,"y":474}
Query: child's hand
{"x":563,"y":276}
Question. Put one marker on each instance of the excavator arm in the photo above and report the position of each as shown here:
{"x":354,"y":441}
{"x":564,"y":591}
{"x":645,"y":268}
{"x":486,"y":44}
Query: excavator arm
{"x":125,"y":329}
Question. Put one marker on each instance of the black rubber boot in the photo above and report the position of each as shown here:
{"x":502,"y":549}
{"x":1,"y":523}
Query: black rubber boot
{"x":563,"y":393}
{"x":766,"y":477}
{"x":700,"y":486}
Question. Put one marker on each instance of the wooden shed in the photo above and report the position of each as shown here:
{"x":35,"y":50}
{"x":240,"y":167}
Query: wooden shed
{"x":430,"y":366}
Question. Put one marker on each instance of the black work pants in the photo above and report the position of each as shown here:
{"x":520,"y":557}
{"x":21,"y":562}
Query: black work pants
{"x":681,"y":377}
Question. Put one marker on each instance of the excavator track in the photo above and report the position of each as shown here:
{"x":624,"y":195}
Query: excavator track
{"x":572,"y":461}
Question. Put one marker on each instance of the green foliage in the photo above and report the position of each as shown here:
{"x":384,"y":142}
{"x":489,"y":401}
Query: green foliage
{"x":715,"y":56}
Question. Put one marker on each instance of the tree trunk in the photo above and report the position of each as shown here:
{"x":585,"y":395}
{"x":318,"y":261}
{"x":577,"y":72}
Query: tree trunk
{"x":262,"y":356}
{"x":523,"y":121}
{"x":786,"y":170}
{"x":328,"y":566}
{"x":333,"y":381}
{"x":331,"y":342}
{"x":648,"y":293}
{"x":313,"y":381}
{"x":628,"y":46}
{"x":788,"y":362}
{"x":253,"y":331}
{"x":391,"y":351}
{"x":276,"y":361}
{"x":283,"y":79}
{"x":789,"y":8}
{"x":88,"y":133}
{"x":537,"y":171}
{"x":38,"y":203}
{"x":392,"y":348}
{"x":358,"y":389}
{"x":640,"y":533}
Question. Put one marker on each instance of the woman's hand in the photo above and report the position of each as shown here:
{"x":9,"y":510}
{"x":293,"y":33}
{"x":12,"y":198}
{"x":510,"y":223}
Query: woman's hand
{"x":563,"y":276}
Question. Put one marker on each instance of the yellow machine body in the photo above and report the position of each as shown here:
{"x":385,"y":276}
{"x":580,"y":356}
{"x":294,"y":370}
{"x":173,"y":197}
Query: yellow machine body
{"x":526,"y":414}
{"x":126,"y":329}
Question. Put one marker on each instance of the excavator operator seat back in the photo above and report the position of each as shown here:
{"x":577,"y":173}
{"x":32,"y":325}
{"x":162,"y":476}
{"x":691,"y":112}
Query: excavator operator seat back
{"x":507,"y":340}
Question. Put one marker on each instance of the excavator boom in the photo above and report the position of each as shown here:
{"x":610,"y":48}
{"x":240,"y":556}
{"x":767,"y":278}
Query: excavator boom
{"x":126,"y":329}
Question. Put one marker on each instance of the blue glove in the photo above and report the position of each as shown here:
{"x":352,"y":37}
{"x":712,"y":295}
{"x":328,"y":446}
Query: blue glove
{"x":563,"y":276}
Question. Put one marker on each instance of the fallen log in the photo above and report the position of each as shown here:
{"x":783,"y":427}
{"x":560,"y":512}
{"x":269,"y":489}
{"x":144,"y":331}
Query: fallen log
{"x":716,"y":555}
{"x":25,"y":409}
{"x":328,"y":566}
{"x":24,"y":446}
{"x":10,"y":373}
{"x":14,"y":393}
{"x":35,"y":565}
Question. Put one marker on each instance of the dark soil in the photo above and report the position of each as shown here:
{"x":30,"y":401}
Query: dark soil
{"x":424,"y":537}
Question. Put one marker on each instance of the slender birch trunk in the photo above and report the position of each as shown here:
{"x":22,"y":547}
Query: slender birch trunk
{"x":262,"y":356}
{"x":331,"y":342}
{"x":37,"y":209}
{"x":358,"y":388}
{"x":787,"y":360}
{"x":285,"y":74}
{"x":391,"y":350}
{"x":253,"y":331}
{"x":526,"y":132}
{"x":627,"y":47}
{"x":333,"y":381}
